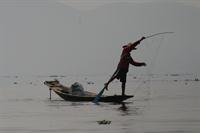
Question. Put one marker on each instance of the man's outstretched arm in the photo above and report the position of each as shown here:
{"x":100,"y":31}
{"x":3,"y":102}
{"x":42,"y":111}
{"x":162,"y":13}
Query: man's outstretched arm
{"x":138,"y":64}
{"x":133,"y":45}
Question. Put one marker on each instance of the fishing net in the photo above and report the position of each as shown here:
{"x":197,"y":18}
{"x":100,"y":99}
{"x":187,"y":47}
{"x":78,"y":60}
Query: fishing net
{"x":151,"y":49}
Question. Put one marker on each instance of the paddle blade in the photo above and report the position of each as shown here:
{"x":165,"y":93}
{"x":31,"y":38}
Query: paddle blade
{"x":96,"y":100}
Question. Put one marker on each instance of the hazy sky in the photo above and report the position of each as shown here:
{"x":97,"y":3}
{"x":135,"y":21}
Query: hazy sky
{"x":92,"y":4}
{"x":85,"y":37}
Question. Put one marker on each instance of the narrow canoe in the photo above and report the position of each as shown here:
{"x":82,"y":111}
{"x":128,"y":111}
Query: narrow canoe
{"x":65,"y":93}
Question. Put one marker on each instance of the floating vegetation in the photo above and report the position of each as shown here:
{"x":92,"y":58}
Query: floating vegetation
{"x":53,"y":76}
{"x":90,"y":82}
{"x":104,"y":122}
{"x":56,"y":76}
{"x":175,"y":75}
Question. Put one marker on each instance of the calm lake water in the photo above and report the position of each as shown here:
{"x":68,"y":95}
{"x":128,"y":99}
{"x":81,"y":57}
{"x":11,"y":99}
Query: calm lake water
{"x":163,"y":104}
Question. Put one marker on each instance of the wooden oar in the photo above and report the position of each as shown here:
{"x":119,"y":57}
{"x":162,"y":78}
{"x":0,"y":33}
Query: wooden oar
{"x":96,"y":100}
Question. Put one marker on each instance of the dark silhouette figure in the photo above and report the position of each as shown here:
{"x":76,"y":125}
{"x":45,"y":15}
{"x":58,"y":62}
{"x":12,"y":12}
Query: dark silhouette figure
{"x":123,"y":66}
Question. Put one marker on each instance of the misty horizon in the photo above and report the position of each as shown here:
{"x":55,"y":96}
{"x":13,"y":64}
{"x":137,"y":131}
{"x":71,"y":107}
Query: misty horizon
{"x":56,"y":39}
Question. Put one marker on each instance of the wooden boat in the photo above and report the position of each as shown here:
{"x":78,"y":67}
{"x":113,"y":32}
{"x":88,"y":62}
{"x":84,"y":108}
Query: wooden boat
{"x":65,"y":93}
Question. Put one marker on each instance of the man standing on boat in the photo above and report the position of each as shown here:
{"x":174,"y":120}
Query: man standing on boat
{"x":123,"y":66}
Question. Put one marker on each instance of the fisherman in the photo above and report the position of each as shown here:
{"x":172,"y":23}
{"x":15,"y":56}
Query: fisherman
{"x":123,"y":66}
